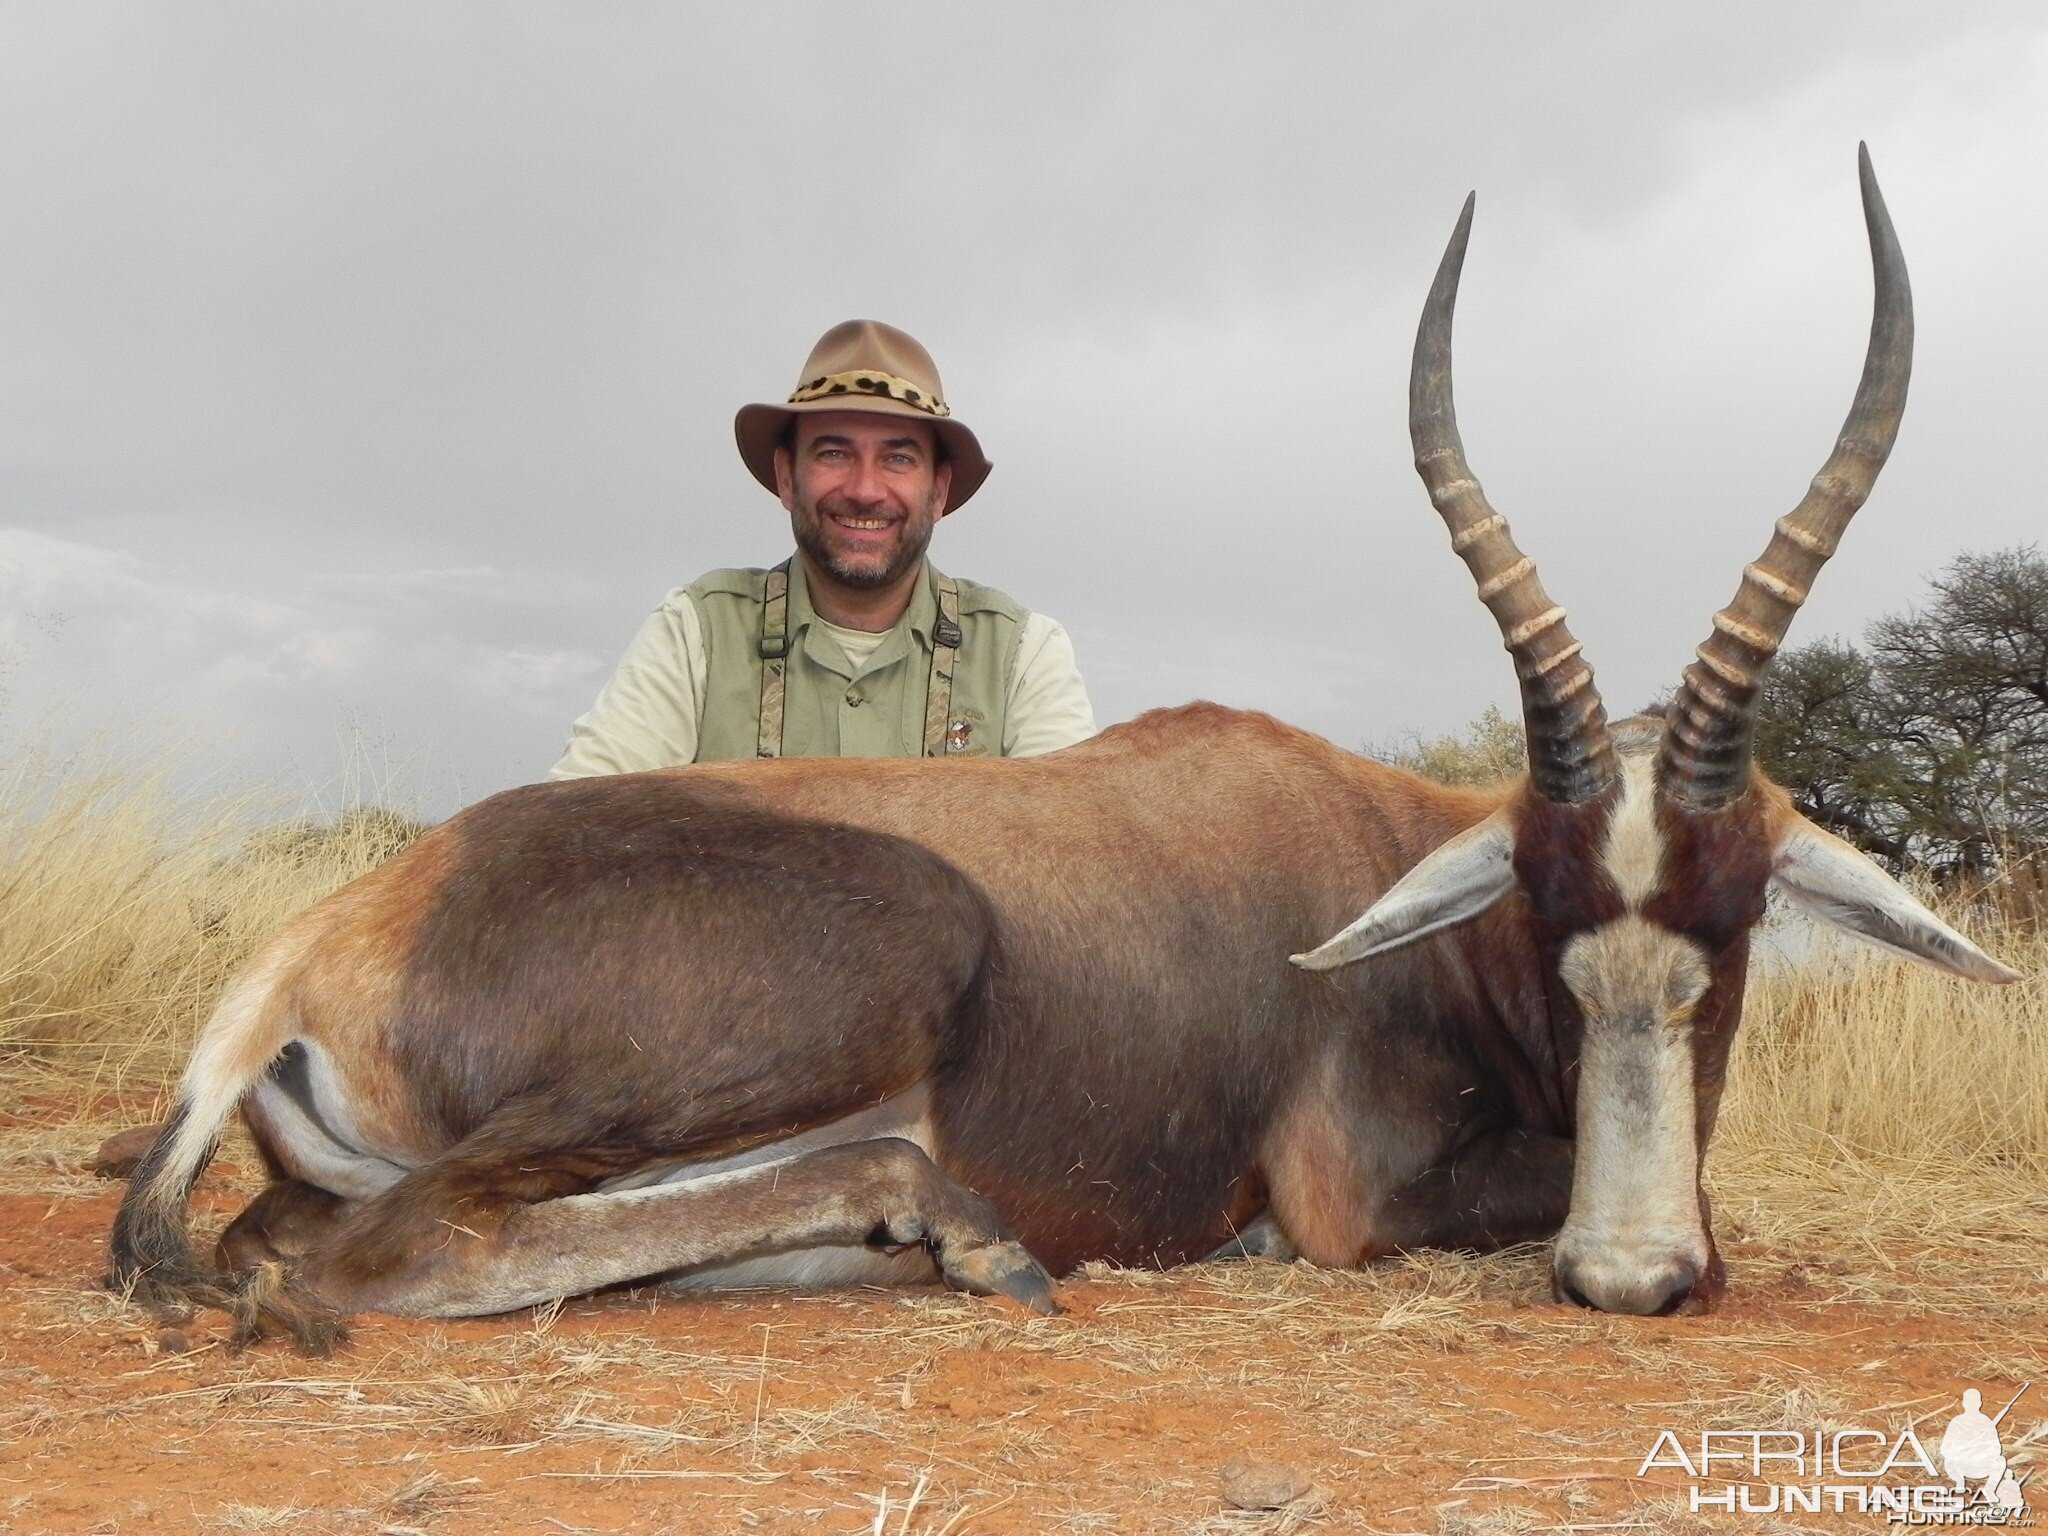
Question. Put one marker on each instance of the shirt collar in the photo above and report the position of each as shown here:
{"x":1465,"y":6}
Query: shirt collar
{"x":916,"y":625}
{"x":922,"y":616}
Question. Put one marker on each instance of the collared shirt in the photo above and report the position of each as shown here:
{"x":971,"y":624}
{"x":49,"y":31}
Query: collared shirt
{"x":648,"y":715}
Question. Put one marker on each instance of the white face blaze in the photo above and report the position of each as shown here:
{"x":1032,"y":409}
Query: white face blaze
{"x":1636,"y":1236}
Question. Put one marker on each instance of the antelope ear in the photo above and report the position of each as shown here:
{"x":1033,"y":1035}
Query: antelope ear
{"x":1459,"y":880}
{"x":1836,"y":883}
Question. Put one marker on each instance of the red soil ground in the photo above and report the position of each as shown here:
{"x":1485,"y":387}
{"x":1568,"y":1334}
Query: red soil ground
{"x":1440,"y":1396}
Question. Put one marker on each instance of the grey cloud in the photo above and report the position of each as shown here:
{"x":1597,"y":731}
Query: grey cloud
{"x":308,"y":311}
{"x":436,"y":670}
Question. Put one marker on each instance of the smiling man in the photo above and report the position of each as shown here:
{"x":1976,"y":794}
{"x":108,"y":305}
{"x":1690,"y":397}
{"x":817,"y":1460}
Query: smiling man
{"x":856,"y":646}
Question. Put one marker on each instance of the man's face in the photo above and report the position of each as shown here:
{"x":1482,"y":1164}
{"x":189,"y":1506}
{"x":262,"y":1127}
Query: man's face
{"x":863,"y":493}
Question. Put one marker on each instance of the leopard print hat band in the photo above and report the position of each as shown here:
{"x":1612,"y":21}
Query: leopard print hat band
{"x":867,"y":382}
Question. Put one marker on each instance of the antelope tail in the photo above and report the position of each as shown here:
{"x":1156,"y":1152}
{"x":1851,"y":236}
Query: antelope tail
{"x":150,"y":1250}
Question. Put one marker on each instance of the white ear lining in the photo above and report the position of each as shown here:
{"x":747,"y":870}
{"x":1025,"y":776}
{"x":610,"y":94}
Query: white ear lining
{"x":1837,"y":884}
{"x":1460,"y":880}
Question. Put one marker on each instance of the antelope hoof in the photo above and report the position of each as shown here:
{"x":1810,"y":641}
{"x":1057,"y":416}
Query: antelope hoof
{"x":1263,"y":1239}
{"x":1004,"y":1269}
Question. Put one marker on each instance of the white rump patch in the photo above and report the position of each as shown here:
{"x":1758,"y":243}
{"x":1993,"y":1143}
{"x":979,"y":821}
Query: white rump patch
{"x":235,"y":1047}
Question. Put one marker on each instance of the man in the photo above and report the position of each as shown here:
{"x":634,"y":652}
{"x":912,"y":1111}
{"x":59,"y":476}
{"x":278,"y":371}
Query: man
{"x":857,"y":646}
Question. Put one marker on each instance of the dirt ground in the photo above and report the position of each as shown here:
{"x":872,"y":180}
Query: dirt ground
{"x":1439,"y":1395}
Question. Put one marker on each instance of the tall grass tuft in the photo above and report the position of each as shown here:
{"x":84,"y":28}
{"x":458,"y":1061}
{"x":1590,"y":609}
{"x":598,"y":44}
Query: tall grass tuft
{"x":1889,"y":1120}
{"x":1852,"y":1049}
{"x":125,"y":905}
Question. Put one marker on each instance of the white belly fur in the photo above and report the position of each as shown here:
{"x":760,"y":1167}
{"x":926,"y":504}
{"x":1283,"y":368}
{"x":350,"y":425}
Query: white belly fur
{"x":810,"y":1268}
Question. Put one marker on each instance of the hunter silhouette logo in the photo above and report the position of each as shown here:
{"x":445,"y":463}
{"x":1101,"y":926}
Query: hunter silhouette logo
{"x":1967,"y":1480}
{"x":1971,"y":1452}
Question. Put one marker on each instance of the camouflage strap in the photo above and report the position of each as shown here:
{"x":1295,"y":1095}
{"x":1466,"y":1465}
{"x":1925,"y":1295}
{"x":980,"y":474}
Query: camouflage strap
{"x":774,"y":654}
{"x":938,"y":697}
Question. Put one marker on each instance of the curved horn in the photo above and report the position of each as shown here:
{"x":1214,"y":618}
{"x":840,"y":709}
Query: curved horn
{"x":1712,"y":720}
{"x":1570,"y":758}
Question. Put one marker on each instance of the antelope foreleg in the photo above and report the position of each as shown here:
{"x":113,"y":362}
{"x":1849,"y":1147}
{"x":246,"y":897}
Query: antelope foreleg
{"x":1261,"y":1239}
{"x":279,"y":1225}
{"x":1507,"y":1186}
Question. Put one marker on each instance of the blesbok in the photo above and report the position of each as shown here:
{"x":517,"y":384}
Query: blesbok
{"x":799,"y":1022}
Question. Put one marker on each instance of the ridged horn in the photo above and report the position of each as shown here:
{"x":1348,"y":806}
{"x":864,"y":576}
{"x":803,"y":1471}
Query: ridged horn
{"x":1570,"y":757}
{"x":1706,"y":753}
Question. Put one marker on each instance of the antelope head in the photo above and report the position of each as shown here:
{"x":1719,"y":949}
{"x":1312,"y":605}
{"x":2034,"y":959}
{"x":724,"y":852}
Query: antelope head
{"x":1644,"y":850}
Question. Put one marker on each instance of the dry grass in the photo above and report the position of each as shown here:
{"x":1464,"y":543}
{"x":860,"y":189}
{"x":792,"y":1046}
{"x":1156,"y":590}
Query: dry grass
{"x":1893,"y":1119}
{"x":125,"y":906}
{"x":1854,"y":1050}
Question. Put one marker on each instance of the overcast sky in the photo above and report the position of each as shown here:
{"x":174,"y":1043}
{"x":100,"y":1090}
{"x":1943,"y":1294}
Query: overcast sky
{"x":367,"y":372}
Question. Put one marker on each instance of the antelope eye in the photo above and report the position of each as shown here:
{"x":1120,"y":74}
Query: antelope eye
{"x":1684,"y":987}
{"x":1575,"y":968}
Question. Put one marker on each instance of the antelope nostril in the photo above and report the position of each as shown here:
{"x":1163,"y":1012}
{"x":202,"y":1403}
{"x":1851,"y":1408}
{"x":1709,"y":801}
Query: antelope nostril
{"x":1657,"y":1292}
{"x":1679,"y":1289}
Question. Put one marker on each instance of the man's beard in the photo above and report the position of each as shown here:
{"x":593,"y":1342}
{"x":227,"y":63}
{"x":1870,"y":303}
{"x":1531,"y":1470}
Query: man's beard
{"x":813,"y":537}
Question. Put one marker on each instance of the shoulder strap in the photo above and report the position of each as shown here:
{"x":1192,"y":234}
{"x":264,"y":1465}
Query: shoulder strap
{"x":774,"y":662}
{"x":938,"y":697}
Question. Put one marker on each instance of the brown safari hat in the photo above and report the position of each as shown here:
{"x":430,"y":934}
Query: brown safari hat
{"x":864,"y":365}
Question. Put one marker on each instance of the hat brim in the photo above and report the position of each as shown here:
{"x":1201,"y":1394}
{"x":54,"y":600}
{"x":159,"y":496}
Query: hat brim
{"x":759,"y":428}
